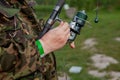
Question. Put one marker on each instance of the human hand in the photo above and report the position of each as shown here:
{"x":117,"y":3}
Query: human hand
{"x":56,"y":38}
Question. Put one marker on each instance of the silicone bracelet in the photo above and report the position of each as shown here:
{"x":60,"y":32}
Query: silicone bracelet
{"x":40,"y":48}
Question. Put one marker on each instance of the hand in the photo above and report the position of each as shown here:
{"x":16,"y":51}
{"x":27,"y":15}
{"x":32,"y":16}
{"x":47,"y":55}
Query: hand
{"x":56,"y":38}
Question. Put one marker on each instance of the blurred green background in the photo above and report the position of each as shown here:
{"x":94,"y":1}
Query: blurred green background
{"x":105,"y":32}
{"x":86,"y":4}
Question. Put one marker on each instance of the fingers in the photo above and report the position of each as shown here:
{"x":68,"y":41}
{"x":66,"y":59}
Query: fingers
{"x":72,"y":45}
{"x":64,"y":26}
{"x":66,"y":36}
{"x":67,"y":33}
{"x":61,"y":24}
{"x":64,"y":29}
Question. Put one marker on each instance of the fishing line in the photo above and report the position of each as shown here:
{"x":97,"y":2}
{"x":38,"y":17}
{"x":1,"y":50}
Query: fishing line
{"x":97,"y":6}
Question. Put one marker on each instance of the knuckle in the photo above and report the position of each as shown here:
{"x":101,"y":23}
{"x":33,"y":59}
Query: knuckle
{"x":66,"y":24}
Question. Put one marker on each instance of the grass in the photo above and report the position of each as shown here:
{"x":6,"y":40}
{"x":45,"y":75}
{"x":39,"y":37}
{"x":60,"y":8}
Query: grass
{"x":105,"y":31}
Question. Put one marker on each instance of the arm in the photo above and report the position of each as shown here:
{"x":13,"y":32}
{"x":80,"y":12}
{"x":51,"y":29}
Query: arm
{"x":53,"y":39}
{"x":56,"y":38}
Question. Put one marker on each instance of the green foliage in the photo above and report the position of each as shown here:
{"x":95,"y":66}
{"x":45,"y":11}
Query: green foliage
{"x":91,"y":4}
{"x":86,"y":4}
{"x":82,"y":4}
{"x":43,"y":11}
{"x":46,"y":2}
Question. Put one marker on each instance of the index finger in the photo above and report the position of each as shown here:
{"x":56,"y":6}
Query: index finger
{"x":65,"y":26}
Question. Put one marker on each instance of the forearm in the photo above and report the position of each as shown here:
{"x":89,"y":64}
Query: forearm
{"x":55,"y":38}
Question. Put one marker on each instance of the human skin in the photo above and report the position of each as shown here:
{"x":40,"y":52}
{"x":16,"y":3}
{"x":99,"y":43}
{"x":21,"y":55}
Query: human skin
{"x":56,"y":38}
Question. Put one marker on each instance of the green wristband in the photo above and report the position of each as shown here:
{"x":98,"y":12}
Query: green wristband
{"x":40,"y":48}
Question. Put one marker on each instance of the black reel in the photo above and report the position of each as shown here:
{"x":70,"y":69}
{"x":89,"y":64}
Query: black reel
{"x":76,"y":24}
